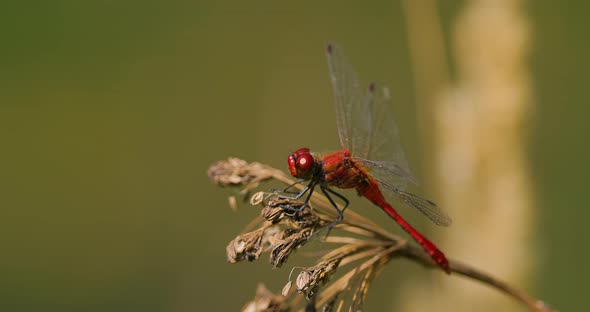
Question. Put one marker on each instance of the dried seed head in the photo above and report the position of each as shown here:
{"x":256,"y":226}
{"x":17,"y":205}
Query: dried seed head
{"x":303,"y":218}
{"x":247,"y":246}
{"x":273,"y":215}
{"x":285,"y":242}
{"x":234,"y":171}
{"x":307,"y":219}
{"x":302,"y":281}
{"x":266,"y":301}
{"x":313,"y":276}
{"x":285,"y":203}
{"x":257,"y":198}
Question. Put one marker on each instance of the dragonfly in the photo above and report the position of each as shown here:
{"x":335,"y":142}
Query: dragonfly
{"x":371,"y":161}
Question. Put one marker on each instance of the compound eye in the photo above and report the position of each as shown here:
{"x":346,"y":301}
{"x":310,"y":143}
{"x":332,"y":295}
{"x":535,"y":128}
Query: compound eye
{"x":304,"y":162}
{"x":292,"y":165}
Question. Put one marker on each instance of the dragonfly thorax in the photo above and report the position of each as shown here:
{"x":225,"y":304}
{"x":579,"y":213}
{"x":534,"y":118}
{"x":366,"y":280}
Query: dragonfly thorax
{"x":301,"y":164}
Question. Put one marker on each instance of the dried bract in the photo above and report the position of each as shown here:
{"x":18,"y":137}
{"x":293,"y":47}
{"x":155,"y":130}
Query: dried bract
{"x":286,"y":289}
{"x":313,"y":276}
{"x":287,"y":241}
{"x":281,"y":208}
{"x":273,"y":215}
{"x":257,"y":198}
{"x":235,"y":171}
{"x":246,"y":246}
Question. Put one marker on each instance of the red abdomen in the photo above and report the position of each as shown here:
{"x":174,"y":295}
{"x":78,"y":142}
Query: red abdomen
{"x":372,"y":192}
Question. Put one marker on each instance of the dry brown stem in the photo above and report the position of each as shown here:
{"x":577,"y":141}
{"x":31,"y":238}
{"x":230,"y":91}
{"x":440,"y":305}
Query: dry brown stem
{"x":359,"y":243}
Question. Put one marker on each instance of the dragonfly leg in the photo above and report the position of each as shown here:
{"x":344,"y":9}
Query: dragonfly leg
{"x":340,"y":217}
{"x":298,"y":194}
{"x":344,"y":199}
{"x":308,"y":189}
{"x":287,"y":189}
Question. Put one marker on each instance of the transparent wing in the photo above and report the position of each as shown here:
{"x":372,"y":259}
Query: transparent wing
{"x":425,"y":206}
{"x":364,"y":118}
{"x":367,"y":129}
{"x":352,"y":116}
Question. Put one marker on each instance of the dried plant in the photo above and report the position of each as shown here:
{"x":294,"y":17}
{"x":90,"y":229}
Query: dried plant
{"x":357,"y":245}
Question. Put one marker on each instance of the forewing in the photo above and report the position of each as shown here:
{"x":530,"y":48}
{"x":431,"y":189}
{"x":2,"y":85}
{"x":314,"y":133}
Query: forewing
{"x":425,"y":206}
{"x":365,"y":122}
{"x":352,"y":115}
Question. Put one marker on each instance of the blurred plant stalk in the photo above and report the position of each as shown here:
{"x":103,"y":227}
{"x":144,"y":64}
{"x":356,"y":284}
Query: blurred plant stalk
{"x":478,"y":140}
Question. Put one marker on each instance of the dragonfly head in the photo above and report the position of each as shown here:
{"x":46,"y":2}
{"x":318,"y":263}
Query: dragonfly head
{"x":301,"y":164}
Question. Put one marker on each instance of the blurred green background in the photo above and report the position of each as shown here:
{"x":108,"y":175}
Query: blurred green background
{"x":112,"y":111}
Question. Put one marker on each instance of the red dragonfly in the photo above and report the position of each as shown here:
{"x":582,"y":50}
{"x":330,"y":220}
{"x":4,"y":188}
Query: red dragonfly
{"x":371,"y":161}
